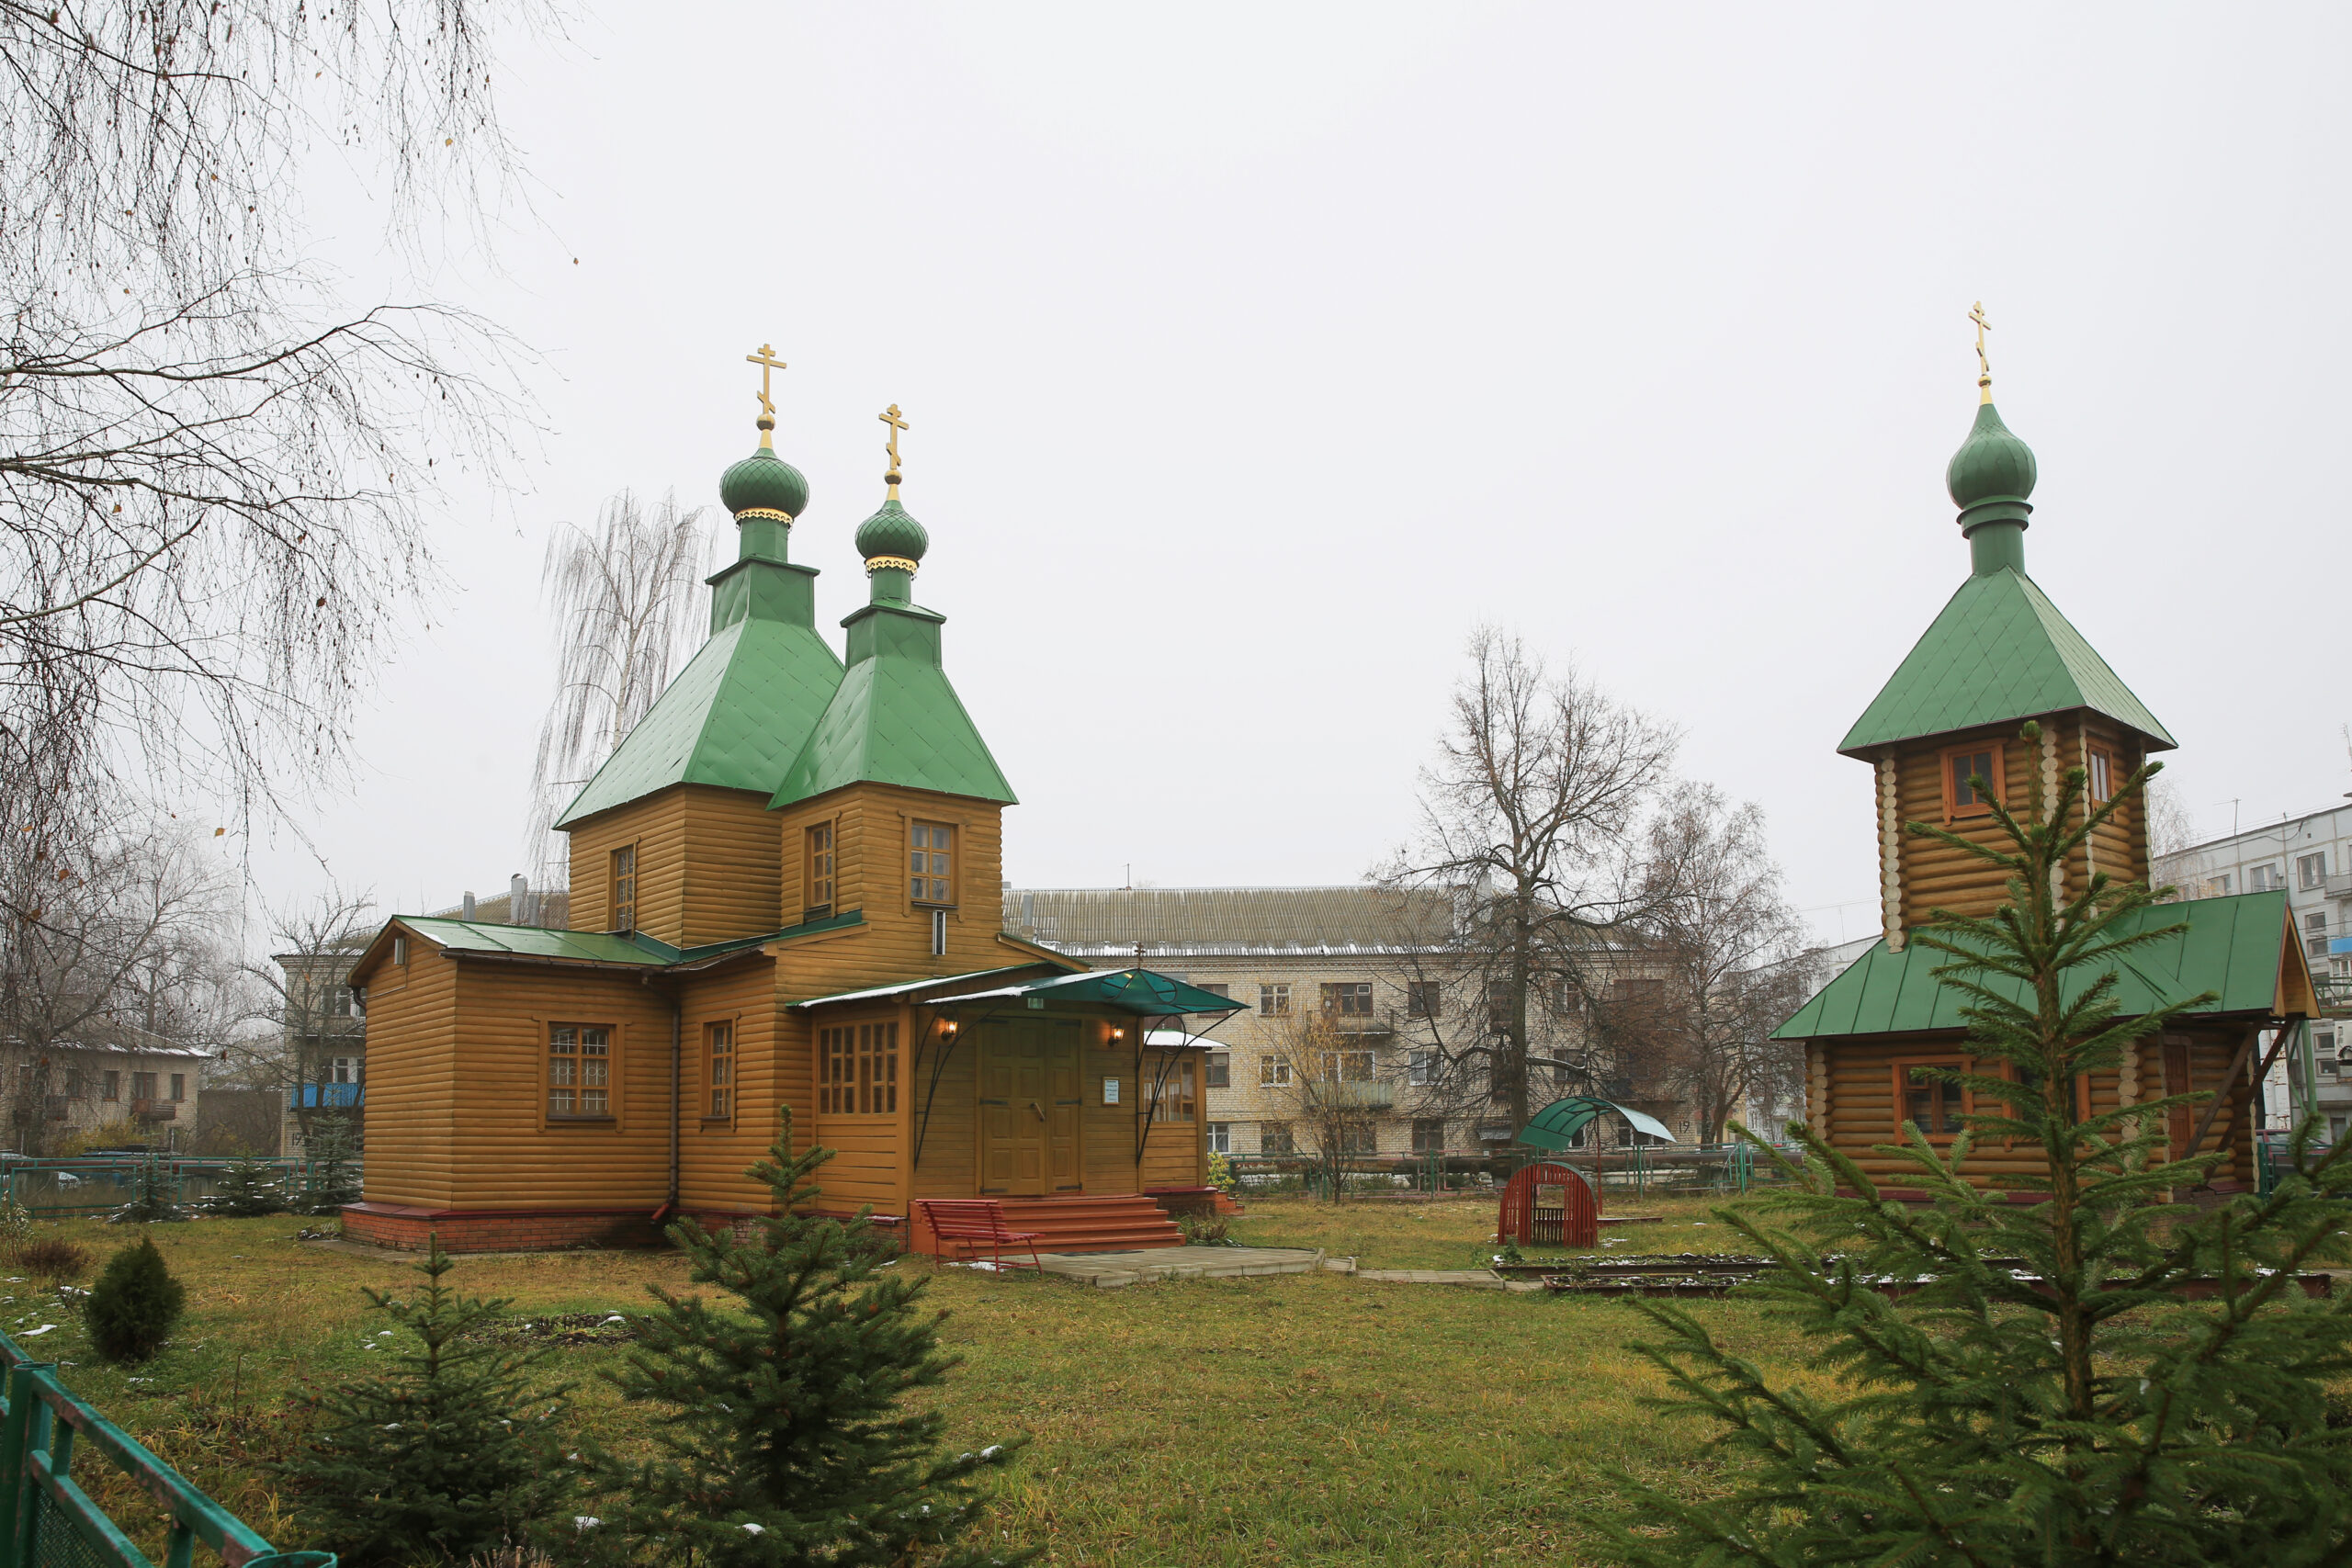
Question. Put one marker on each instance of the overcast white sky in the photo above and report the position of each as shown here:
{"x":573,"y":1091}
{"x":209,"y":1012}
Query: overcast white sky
{"x":1256,"y":353}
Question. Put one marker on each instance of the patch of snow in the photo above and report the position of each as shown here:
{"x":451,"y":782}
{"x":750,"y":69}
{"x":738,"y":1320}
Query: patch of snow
{"x":31,"y":1332}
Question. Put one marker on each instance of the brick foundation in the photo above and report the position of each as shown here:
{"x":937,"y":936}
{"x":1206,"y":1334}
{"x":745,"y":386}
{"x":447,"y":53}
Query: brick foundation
{"x":407,"y":1228}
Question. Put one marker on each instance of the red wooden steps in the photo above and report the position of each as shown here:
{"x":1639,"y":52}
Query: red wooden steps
{"x":1126,"y":1222}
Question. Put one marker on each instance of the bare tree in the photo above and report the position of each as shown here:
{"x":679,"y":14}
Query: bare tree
{"x":112,"y":937}
{"x":213,"y":475}
{"x":2172,"y":828}
{"x":303,"y":994}
{"x":1533,"y":817}
{"x":1728,"y":954}
{"x":623,"y":598}
{"x":1329,"y":1085}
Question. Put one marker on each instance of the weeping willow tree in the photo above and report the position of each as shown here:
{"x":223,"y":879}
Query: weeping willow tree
{"x":623,"y":597}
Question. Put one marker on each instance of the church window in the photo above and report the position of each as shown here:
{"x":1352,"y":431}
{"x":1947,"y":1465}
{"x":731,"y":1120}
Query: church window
{"x":580,"y":1070}
{"x":1963,"y":763}
{"x":931,"y":865}
{"x":857,"y":1070}
{"x":816,"y":895}
{"x":2102,"y":776}
{"x":1933,"y":1107}
{"x":721,"y":1039}
{"x":625,"y":889}
{"x":1171,"y":1092}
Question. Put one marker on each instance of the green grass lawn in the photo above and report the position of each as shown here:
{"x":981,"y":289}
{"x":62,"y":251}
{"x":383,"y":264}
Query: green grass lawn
{"x":1297,"y":1419}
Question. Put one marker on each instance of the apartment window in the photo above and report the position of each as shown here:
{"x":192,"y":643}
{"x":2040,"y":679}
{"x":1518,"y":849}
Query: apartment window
{"x":580,"y":1070}
{"x":2324,"y":1055}
{"x":1171,"y":1092}
{"x":2102,"y":776}
{"x":1429,"y":1135}
{"x":2315,"y":947}
{"x":625,"y":889}
{"x":857,"y":1070}
{"x":2311,"y":870}
{"x":179,"y":1087}
{"x":1420,"y":1069}
{"x":110,"y":1086}
{"x":1274,"y":1138}
{"x":343,"y":1070}
{"x":1274,"y":1000}
{"x":719,"y":1049}
{"x":1964,"y":763}
{"x":1494,"y":1131}
{"x":1220,"y":1137}
{"x":1934,"y":1107}
{"x":1274,"y":1072}
{"x":1347,"y":1066}
{"x":77,"y":1083}
{"x":1216,"y":989}
{"x":817,"y":878}
{"x":1220,"y":1072}
{"x":930,"y":864}
{"x":142,"y":1086}
{"x":1349,"y":998}
{"x":1421,"y":998}
{"x":2264,"y":879}
{"x":1499,"y":1010}
{"x":2314,"y":920}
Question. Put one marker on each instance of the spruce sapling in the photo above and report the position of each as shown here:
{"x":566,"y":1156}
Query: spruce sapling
{"x":446,"y":1452}
{"x":249,"y":1187}
{"x":781,"y":1436}
{"x":135,"y":1304}
{"x":334,"y":1167}
{"x":150,"y":1201}
{"x":2049,"y":1391}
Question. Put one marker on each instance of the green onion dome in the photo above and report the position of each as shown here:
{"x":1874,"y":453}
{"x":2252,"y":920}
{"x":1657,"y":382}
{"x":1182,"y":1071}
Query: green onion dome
{"x":891,"y":535}
{"x":763,"y":483}
{"x":1991,"y":474}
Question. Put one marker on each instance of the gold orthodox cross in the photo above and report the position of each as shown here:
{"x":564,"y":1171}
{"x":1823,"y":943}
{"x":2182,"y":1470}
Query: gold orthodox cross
{"x":896,"y":424}
{"x":1983,"y":366}
{"x":768,"y":363}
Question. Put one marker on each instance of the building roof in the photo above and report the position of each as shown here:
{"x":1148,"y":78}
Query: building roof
{"x":735,"y":718}
{"x":634,"y":950}
{"x":2242,"y":948}
{"x":1998,"y":651}
{"x":1172,"y":922}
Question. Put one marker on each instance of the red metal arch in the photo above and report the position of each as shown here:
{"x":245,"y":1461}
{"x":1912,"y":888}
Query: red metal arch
{"x":1547,"y":1202}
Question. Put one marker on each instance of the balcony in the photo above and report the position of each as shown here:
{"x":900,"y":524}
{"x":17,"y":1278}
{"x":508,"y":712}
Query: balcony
{"x":155,"y":1110}
{"x":2334,"y":994}
{"x":2340,"y":884}
{"x":1358,"y":1023}
{"x":1363,"y":1096}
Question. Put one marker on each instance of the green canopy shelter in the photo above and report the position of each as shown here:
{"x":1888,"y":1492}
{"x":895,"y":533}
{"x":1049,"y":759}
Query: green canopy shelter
{"x":1558,"y":1124}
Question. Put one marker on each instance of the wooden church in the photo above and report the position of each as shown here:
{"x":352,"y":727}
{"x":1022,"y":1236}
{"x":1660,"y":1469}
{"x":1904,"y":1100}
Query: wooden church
{"x":786,"y":892}
{"x":1999,"y":654}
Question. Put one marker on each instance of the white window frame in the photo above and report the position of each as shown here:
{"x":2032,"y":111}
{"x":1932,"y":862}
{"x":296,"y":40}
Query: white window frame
{"x":1220,"y":1137}
{"x":1274,"y":1000}
{"x":1273,"y":1071}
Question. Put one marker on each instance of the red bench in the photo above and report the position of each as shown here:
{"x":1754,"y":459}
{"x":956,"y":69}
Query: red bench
{"x":970,"y":1224}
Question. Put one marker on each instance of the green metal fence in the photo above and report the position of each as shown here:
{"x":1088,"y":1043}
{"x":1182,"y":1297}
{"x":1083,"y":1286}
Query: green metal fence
{"x":99,"y":1184}
{"x":1640,"y":1172}
{"x":49,"y":1522}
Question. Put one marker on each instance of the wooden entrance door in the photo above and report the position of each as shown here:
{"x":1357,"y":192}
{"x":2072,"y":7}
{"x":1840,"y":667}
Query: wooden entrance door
{"x":1029,"y":1108}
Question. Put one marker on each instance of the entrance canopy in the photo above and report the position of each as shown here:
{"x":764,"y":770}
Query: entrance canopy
{"x":1138,"y":991}
{"x":1558,"y":1124}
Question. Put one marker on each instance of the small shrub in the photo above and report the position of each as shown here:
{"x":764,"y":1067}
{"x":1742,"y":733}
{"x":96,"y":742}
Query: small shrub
{"x":135,"y":1304}
{"x":51,"y":1257}
{"x":1205,"y":1230}
{"x":249,"y":1187}
{"x":16,"y":1228}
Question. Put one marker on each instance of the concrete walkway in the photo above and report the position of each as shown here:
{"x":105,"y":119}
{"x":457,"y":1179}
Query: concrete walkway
{"x":1113,"y":1271}
{"x":1476,"y":1279}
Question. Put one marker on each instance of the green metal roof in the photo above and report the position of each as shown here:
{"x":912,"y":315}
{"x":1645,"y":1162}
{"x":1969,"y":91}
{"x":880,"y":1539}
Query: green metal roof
{"x":1138,"y":991}
{"x":2000,"y":651}
{"x":875,"y":993}
{"x":597,"y":947}
{"x":735,"y":717}
{"x":2232,"y":946}
{"x":1556,"y":1125}
{"x":895,"y":719}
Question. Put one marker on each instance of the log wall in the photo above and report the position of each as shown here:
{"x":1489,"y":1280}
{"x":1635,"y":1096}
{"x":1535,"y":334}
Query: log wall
{"x":412,"y":1076}
{"x":706,"y":865}
{"x":871,"y":826}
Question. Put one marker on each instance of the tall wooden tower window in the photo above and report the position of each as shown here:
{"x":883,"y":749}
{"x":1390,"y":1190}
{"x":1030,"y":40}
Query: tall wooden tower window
{"x":2102,"y":776}
{"x":625,"y":889}
{"x":817,"y":880}
{"x":857,"y":1070}
{"x":580,"y":1070}
{"x":720,"y":1039}
{"x":930,"y":864}
{"x":1963,"y":763}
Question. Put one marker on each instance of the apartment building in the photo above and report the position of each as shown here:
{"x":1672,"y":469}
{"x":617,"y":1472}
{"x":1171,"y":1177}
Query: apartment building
{"x":132,"y":1092}
{"x":1348,"y":985}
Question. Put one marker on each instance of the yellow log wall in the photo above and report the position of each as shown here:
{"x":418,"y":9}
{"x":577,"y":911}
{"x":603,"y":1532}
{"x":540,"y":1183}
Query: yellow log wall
{"x":412,"y":1079}
{"x":706,"y":865}
{"x":871,"y":825}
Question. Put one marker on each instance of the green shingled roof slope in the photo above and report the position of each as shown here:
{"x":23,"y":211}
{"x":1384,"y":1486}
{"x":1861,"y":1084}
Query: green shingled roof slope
{"x":895,"y":719}
{"x":2000,"y":651}
{"x":537,"y":942}
{"x":735,"y":717}
{"x":2232,"y":946}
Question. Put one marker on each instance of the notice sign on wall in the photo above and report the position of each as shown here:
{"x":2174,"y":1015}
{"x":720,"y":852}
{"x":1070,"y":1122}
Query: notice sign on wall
{"x":1110,"y":1091}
